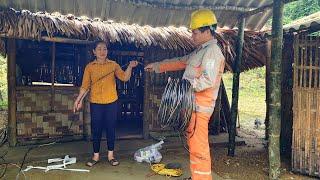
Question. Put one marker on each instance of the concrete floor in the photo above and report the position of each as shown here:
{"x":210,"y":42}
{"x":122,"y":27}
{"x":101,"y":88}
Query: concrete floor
{"x":172,"y":151}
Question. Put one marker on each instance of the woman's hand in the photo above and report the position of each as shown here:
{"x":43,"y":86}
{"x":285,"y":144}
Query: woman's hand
{"x":133,"y":64}
{"x":77,"y":106}
{"x":149,"y":67}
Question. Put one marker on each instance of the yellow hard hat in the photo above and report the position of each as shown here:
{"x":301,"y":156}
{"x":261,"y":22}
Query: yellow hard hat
{"x":202,"y":18}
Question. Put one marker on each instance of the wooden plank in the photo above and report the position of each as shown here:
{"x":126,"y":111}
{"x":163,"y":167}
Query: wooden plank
{"x":12,"y":101}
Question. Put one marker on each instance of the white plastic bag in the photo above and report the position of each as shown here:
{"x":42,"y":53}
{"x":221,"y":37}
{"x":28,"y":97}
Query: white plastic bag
{"x":149,"y":154}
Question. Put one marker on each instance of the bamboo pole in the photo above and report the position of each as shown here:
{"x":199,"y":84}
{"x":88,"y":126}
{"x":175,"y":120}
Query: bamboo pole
{"x":12,"y":101}
{"x":235,"y":87}
{"x":275,"y":90}
{"x":146,"y":103}
{"x":53,"y":61}
{"x":54,"y":39}
{"x":86,"y":109}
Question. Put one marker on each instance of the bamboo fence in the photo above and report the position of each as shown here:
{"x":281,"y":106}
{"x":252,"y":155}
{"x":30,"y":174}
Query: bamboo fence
{"x":306,"y":105}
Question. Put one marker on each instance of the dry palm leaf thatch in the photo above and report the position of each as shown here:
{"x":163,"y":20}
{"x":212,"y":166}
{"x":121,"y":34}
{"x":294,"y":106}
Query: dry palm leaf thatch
{"x":27,"y":25}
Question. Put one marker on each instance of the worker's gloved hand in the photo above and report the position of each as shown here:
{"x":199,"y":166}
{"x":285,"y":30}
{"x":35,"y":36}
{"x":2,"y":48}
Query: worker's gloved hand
{"x":150,"y":67}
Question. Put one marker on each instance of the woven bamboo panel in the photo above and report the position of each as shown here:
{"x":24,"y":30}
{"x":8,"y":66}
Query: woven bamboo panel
{"x":32,"y":101}
{"x":37,"y":119}
{"x":48,"y":125}
{"x":306,"y":106}
{"x":63,"y":99}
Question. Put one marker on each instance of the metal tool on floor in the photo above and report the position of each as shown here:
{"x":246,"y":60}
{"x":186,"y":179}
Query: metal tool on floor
{"x":63,"y":166}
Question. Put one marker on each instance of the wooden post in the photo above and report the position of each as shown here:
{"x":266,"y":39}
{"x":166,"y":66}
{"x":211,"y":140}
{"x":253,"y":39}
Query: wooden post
{"x":215,"y":120}
{"x":287,"y":95}
{"x":146,"y":104}
{"x":268,"y":60}
{"x":53,"y":61}
{"x":275,"y":90}
{"x":86,"y":104}
{"x":226,"y":111}
{"x":12,"y":101}
{"x":235,"y":87}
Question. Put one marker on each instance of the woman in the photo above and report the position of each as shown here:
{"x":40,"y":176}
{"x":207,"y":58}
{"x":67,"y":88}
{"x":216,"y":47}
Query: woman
{"x":100,"y":78}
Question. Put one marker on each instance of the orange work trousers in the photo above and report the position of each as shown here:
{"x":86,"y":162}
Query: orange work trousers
{"x":200,"y":160}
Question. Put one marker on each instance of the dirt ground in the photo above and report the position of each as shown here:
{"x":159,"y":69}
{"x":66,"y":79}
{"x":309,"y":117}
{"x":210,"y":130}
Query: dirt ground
{"x":249,"y":163}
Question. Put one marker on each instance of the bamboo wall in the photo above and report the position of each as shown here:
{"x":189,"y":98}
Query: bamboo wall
{"x":41,"y":119}
{"x":306,"y":106}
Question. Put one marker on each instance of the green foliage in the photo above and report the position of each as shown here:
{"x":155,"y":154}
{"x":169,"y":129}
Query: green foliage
{"x":3,"y":83}
{"x":251,"y":94}
{"x":298,"y":9}
{"x":301,"y":8}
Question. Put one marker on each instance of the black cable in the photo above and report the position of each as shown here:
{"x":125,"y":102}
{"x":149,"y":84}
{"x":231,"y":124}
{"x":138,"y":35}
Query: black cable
{"x":177,"y":105}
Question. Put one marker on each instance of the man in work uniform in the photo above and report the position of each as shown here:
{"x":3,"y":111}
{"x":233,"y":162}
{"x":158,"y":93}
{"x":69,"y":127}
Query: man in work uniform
{"x":203,"y":68}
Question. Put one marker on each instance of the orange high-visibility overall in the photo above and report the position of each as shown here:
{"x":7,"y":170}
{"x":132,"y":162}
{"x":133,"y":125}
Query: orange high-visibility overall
{"x":203,"y":68}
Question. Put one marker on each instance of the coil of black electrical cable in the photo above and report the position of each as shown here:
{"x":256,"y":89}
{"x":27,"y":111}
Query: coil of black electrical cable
{"x":176,"y":105}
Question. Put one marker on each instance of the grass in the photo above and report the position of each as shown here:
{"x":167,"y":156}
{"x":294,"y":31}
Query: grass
{"x":251,"y":94}
{"x":3,"y":83}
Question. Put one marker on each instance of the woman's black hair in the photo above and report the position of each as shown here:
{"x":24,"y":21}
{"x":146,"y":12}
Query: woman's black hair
{"x":95,"y":44}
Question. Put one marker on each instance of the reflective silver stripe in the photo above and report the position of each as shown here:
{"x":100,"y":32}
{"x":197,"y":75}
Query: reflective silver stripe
{"x":204,"y":109}
{"x":193,"y":162}
{"x":203,"y":172}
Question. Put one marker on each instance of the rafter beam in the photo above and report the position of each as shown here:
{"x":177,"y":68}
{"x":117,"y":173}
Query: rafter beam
{"x":263,"y":8}
{"x":169,"y":5}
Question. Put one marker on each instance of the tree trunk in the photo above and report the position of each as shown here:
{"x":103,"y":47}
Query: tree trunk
{"x":275,"y":90}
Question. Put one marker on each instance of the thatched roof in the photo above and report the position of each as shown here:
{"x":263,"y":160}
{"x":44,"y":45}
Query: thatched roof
{"x":309,"y":23}
{"x":151,"y":12}
{"x":27,"y":25}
